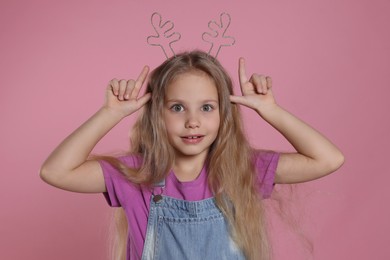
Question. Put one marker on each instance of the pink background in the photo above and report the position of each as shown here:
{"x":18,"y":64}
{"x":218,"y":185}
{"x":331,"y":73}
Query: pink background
{"x":330,"y":63}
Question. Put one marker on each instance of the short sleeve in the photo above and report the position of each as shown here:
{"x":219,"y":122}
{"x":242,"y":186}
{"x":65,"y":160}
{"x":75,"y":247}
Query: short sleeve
{"x":266,"y":163}
{"x":117,"y":185}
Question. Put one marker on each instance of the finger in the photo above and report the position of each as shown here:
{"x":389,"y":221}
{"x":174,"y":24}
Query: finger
{"x":142,"y":76}
{"x":242,"y":71}
{"x":264,"y":87}
{"x":260,"y":83}
{"x":144,"y":99}
{"x":140,"y":81}
{"x":129,"y":87}
{"x":256,"y":81}
{"x":238,"y":100}
{"x":114,"y":86}
{"x":122,"y":88}
{"x":269,"y":82}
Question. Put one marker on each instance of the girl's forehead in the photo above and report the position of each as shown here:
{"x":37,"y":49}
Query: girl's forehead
{"x":189,"y":73}
{"x":193,"y":83}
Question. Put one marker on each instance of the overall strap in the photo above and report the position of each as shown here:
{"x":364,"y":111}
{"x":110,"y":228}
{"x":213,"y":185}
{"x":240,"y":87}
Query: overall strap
{"x":161,"y":185}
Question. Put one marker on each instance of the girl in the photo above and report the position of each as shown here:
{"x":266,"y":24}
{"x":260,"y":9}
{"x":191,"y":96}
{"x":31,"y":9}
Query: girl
{"x":192,"y":186}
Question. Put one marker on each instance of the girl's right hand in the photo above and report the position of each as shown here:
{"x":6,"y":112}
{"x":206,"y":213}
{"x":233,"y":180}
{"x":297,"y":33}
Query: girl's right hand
{"x":68,"y":166}
{"x":122,"y":96}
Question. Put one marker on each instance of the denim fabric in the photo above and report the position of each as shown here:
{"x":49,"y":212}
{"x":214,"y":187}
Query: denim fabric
{"x":179,"y":229}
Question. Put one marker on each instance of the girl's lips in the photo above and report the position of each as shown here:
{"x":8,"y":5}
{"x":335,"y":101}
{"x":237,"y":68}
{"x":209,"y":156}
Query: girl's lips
{"x":192,"y":139}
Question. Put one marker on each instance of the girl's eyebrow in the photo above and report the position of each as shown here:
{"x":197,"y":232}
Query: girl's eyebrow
{"x":182,"y":101}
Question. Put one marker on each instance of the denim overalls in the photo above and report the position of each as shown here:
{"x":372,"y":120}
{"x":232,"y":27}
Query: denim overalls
{"x":179,"y":230}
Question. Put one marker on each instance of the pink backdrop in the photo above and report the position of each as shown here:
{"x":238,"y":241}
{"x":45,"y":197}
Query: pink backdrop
{"x":330,"y":62}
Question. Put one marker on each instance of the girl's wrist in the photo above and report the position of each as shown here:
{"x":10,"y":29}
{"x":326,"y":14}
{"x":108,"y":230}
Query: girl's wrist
{"x":111,"y":113}
{"x":267,"y":111}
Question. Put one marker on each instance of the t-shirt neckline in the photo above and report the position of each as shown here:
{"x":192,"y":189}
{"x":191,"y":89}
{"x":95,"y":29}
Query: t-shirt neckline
{"x":197,"y":181}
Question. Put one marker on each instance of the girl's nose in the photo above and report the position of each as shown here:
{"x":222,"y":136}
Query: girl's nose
{"x":192,"y":121}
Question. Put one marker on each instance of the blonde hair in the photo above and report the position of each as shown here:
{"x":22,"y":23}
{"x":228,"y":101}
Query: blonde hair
{"x":231,"y":173}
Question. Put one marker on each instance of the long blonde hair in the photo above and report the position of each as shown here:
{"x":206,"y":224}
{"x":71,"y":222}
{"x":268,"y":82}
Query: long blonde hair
{"x":231,"y":174}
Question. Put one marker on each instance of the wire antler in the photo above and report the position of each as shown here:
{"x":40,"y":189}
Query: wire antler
{"x":217,"y":37}
{"x":165,"y":37}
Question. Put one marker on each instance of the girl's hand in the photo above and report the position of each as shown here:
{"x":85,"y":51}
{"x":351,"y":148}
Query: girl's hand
{"x":256,"y":92}
{"x":315,"y":155}
{"x":122,"y":96}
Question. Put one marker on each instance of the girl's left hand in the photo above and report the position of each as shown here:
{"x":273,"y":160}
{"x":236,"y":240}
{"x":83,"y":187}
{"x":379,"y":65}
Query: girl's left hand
{"x":256,"y":92}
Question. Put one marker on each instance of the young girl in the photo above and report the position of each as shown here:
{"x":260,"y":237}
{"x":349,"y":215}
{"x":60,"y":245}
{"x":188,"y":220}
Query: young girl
{"x":192,"y":187}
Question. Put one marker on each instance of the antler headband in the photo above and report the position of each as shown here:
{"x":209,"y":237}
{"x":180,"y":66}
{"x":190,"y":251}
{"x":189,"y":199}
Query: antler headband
{"x":166,"y":36}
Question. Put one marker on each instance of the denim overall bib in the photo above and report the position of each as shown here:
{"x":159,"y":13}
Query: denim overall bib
{"x":179,"y":230}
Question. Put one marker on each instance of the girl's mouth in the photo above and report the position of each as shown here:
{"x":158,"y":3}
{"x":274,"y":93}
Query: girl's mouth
{"x":192,"y":139}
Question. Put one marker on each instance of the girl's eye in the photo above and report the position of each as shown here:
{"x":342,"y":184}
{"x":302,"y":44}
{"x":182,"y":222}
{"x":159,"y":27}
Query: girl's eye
{"x":177,"y":108}
{"x":207,"y":108}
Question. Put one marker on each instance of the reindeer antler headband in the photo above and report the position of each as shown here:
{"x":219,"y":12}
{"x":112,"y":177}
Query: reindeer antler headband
{"x":166,"y":36}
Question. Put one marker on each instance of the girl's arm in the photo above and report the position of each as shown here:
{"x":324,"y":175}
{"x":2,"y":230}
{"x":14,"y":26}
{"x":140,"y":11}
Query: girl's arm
{"x":316,"y":156}
{"x":67,"y":166}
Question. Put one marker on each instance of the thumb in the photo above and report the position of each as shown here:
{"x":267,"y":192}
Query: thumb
{"x":144,"y":99}
{"x":239,"y":100}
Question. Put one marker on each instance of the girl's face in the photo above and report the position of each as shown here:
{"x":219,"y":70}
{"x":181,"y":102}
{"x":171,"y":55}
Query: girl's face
{"x":191,"y":114}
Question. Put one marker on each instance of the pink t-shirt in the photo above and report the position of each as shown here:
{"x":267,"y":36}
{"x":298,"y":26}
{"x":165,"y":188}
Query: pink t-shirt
{"x":135,"y":199}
